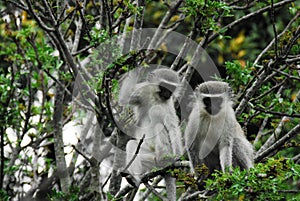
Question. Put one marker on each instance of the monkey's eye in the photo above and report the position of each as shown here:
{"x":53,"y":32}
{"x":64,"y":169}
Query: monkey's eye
{"x":216,"y":101}
{"x":207,"y":101}
{"x":164,"y":93}
{"x":212,"y":104}
{"x":166,"y":90}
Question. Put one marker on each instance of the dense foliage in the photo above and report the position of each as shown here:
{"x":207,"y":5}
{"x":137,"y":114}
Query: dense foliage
{"x":60,"y":66}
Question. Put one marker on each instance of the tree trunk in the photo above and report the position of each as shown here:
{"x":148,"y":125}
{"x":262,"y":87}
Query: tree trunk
{"x":61,"y":165}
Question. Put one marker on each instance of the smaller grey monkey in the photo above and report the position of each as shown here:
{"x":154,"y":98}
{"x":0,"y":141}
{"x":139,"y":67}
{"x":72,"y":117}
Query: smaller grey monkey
{"x":215,"y":136}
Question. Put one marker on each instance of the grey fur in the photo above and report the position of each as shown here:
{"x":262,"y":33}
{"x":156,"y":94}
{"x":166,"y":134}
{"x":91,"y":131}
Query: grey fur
{"x":155,"y":117}
{"x":215,"y":136}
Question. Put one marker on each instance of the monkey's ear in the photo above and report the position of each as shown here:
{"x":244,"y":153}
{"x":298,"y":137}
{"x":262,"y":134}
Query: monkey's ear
{"x":166,"y":90}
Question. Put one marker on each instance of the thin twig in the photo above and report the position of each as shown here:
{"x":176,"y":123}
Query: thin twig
{"x":254,"y":87}
{"x":123,"y":192}
{"x":292,"y":41}
{"x":167,"y":33}
{"x":292,"y":133}
{"x":246,"y":17}
{"x":137,"y":26}
{"x":135,"y":154}
{"x":296,"y":158}
{"x":184,"y":49}
{"x":269,"y":91}
{"x":197,"y":194}
{"x":19,"y":5}
{"x":164,"y":23}
{"x":277,"y":131}
{"x":50,"y":12}
{"x":274,"y":28}
{"x":282,"y":114}
{"x":286,"y":74}
{"x":37,"y":18}
{"x":273,"y":41}
{"x":93,"y":161}
{"x":147,"y":193}
{"x":146,"y":177}
{"x":155,"y":192}
{"x":246,"y":6}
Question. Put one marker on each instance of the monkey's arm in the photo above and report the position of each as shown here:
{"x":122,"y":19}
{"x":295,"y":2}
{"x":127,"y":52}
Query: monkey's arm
{"x":243,"y":151}
{"x":225,"y":148}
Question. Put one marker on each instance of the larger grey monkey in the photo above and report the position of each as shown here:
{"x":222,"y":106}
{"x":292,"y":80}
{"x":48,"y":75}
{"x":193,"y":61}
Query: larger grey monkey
{"x":215,"y":136}
{"x":156,"y":119}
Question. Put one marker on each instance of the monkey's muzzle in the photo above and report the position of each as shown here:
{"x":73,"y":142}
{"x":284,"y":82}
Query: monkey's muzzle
{"x":213,"y":104}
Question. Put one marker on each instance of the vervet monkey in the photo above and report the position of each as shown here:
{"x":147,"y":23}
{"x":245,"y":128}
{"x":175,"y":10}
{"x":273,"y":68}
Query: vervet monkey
{"x":215,"y":136}
{"x":156,"y":120}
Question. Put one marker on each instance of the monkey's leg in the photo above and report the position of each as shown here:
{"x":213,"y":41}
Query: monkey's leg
{"x":225,"y":148}
{"x":170,"y":187}
{"x":243,"y":153}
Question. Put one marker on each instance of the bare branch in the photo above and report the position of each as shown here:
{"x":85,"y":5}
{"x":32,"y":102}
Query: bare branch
{"x":264,"y":123}
{"x":173,"y":9}
{"x":277,"y":131}
{"x":273,"y":41}
{"x":146,"y":177}
{"x":78,"y":32}
{"x":274,"y":28}
{"x":197,"y":194}
{"x":282,"y":114}
{"x":269,"y":91}
{"x":184,"y":49}
{"x":247,"y":17}
{"x":148,"y":192}
{"x":155,"y":192}
{"x":37,"y":18}
{"x":135,"y":154}
{"x":286,"y":74}
{"x":296,"y":158}
{"x":50,"y":12}
{"x":60,"y":160}
{"x":292,"y":133}
{"x":251,"y":90}
{"x":18,"y":4}
{"x":138,"y":23}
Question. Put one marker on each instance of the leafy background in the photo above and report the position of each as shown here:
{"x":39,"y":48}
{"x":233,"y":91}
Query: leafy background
{"x":45,"y":45}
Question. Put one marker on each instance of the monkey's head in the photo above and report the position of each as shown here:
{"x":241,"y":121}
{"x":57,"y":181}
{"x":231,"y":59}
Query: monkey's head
{"x":167,"y":81}
{"x":214,"y":96}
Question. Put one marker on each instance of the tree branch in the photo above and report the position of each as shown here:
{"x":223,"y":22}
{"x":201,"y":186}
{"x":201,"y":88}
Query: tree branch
{"x":155,"y":192}
{"x":137,"y":26}
{"x":246,"y":17}
{"x":173,"y":9}
{"x":292,"y":133}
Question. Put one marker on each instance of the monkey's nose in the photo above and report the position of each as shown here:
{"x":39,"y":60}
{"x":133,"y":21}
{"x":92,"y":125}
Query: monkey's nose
{"x":213,"y":104}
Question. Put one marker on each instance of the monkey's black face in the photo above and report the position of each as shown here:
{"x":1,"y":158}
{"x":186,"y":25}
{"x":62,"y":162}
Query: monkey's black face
{"x":213,"y":104}
{"x":165,"y":91}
